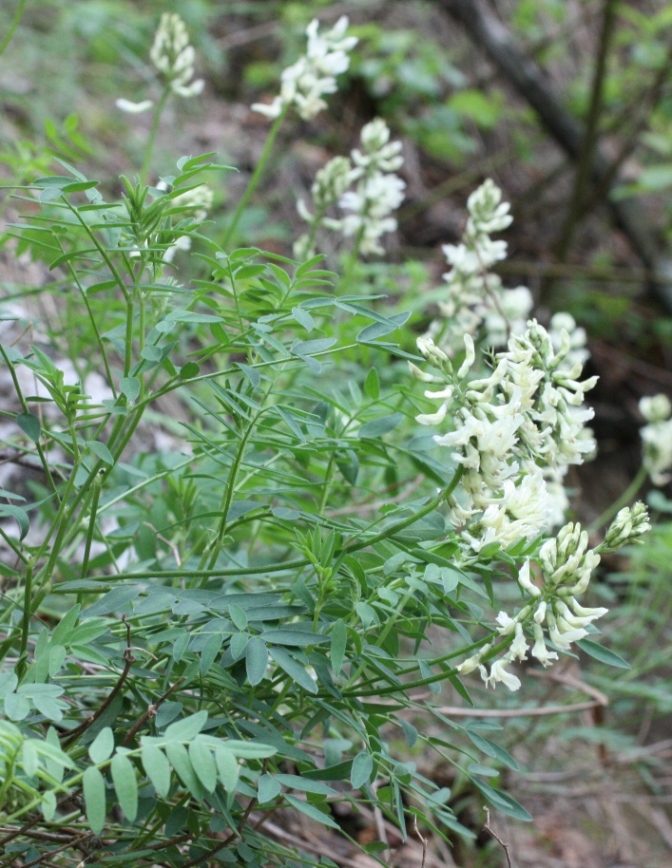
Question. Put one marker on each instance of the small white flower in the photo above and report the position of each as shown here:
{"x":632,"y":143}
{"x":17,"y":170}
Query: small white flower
{"x":472,"y":663}
{"x":518,"y":649}
{"x":133,"y":108}
{"x":525,"y":581}
{"x":539,"y":649}
{"x":498,"y":672}
{"x":433,"y":418}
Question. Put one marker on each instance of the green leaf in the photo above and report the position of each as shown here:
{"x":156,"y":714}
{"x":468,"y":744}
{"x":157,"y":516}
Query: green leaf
{"x":294,"y":669}
{"x":202,"y":763}
{"x":503,"y":802}
{"x":157,"y":768}
{"x":249,"y":749}
{"x":602,"y":654}
{"x":227,"y":767}
{"x":187,"y":728}
{"x":19,"y":515}
{"x":303,"y":318}
{"x":93,"y":784}
{"x":339,"y":639}
{"x":179,"y":759}
{"x":101,"y":451}
{"x":30,"y":757}
{"x":102,"y":746}
{"x":372,"y":385}
{"x":382,"y":327}
{"x":267,"y":789}
{"x":305,"y":785}
{"x":48,"y":806}
{"x":256,"y":660}
{"x":125,"y":784}
{"x":65,"y":626}
{"x":362,"y":767}
{"x":298,"y":638}
{"x":30,"y":425}
{"x":491,"y":749}
{"x":307,"y":348}
{"x":190,"y":370}
{"x":238,"y":616}
{"x":312,"y":812}
{"x":209,"y":652}
{"x":130,"y":387}
{"x":376,"y":428}
{"x":191,"y":316}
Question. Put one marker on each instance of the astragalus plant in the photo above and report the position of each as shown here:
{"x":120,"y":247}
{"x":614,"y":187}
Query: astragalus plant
{"x":240,"y":563}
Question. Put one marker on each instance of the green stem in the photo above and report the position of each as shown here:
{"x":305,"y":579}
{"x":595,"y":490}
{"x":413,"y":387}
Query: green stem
{"x":622,"y":501}
{"x":24,"y":408}
{"x":256,"y":177}
{"x":97,"y":485}
{"x":149,"y":149}
{"x":14,"y":24}
{"x":228,"y":494}
{"x":25,"y":624}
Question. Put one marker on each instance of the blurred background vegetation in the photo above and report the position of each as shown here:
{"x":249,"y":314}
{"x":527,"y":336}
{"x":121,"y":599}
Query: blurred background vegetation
{"x":567,"y":104}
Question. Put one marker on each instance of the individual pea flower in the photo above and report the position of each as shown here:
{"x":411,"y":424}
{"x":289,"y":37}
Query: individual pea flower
{"x":174,"y":57}
{"x":305,"y":82}
{"x":657,"y":437}
{"x":134,"y":108}
{"x":565,"y":322}
{"x":627,"y":528}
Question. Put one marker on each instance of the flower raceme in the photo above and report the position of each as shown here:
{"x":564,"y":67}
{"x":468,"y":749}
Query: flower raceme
{"x":512,"y":431}
{"x":174,"y":57}
{"x":376,"y":194}
{"x":304,"y":83}
{"x":565,"y":567}
{"x":476,"y":299}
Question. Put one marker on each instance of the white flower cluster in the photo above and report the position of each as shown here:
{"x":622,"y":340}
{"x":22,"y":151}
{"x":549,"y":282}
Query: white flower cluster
{"x":377,"y":192}
{"x":514,"y":430}
{"x":475,"y":298}
{"x":566,"y":564}
{"x":199,"y":202}
{"x":312,"y":76}
{"x":174,"y":57}
{"x":657,"y":437}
